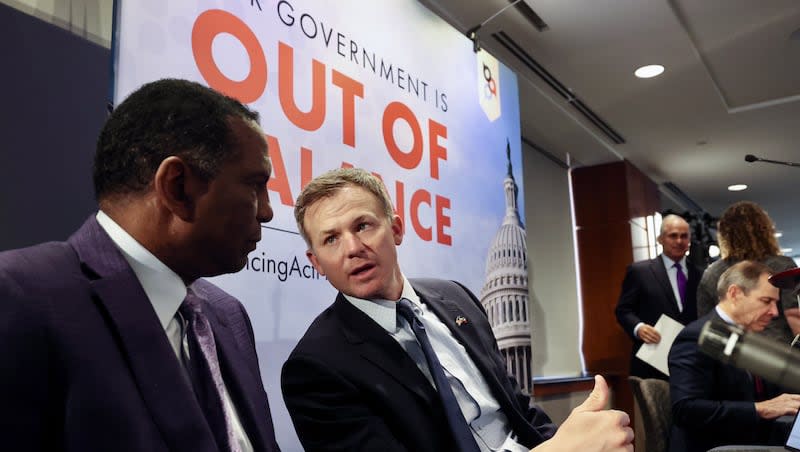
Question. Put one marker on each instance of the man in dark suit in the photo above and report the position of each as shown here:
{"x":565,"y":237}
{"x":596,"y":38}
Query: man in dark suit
{"x":715,"y":404}
{"x":95,"y":354}
{"x":363,"y":378}
{"x":665,"y":285}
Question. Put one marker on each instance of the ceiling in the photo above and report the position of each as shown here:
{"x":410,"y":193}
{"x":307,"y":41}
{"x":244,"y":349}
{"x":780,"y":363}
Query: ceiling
{"x":731,"y":88}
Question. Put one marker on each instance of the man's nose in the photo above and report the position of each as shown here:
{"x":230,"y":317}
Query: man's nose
{"x":353,"y":244}
{"x":264,"y":213}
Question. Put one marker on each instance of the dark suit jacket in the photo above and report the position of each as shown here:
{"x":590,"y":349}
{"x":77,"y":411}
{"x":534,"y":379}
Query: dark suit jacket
{"x":713,"y":403}
{"x":646,"y":294}
{"x":86,"y":366}
{"x":350,"y":386}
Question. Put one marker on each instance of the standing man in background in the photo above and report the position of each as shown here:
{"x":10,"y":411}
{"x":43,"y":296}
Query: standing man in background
{"x":409,"y":365}
{"x":665,"y":285}
{"x":110,"y":341}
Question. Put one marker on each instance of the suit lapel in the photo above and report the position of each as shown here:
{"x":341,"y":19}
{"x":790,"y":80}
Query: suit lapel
{"x":737,"y":378}
{"x":243,"y":386}
{"x":376,"y":346}
{"x":449,"y":312}
{"x":142,"y":341}
{"x":660,"y":274}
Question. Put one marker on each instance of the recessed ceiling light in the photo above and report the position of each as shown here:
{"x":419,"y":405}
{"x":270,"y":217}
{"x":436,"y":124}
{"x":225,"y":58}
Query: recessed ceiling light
{"x":786,"y":250}
{"x":649,"y":71}
{"x":713,"y":251}
{"x":737,"y":187}
{"x":778,"y":234}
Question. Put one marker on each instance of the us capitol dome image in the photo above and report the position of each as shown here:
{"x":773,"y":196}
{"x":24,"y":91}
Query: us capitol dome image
{"x":504,"y":295}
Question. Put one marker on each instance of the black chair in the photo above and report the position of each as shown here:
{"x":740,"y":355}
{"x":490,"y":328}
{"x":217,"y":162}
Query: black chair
{"x":652,"y":396}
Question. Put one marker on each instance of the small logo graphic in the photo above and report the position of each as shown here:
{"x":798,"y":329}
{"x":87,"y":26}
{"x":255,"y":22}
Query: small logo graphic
{"x":488,"y":84}
{"x":461,"y":320}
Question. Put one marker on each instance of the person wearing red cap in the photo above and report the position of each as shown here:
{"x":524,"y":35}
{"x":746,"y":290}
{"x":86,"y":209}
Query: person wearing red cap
{"x":788,"y":280}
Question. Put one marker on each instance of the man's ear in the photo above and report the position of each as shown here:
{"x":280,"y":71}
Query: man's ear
{"x":313,"y":259}
{"x":397,"y":229}
{"x":177,"y":187}
{"x":733,"y":292}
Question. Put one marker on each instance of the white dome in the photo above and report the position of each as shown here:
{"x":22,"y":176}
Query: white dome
{"x":508,"y":250}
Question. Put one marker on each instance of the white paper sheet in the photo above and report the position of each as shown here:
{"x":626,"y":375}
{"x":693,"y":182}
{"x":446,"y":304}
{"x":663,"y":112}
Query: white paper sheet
{"x":656,"y":354}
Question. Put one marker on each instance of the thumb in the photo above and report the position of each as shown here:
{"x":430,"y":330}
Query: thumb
{"x":598,"y":399}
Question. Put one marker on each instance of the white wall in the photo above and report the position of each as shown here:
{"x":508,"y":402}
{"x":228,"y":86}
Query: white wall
{"x":551,"y":267}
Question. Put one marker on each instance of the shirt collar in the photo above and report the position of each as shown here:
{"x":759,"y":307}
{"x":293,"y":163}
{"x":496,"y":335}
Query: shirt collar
{"x":163,"y":287}
{"x":384,"y":312}
{"x":724,"y":315}
{"x":669,"y":262}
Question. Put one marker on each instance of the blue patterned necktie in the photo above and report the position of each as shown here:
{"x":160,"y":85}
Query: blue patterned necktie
{"x":205,"y":373}
{"x":455,"y":418}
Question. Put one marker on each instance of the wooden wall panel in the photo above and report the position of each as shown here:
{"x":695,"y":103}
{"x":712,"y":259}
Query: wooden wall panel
{"x":606,"y":197}
{"x":604,"y":252}
{"x":599,"y":194}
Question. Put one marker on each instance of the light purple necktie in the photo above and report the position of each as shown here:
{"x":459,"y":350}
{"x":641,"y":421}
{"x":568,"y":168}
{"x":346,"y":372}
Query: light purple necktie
{"x":680,"y":278}
{"x":205,"y":372}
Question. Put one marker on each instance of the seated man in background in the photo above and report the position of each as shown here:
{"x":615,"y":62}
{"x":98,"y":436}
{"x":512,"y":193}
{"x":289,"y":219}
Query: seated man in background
{"x":715,"y":404}
{"x":409,"y":365}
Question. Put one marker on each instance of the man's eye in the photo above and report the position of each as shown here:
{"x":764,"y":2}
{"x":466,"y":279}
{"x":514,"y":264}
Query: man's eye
{"x":329,"y":240}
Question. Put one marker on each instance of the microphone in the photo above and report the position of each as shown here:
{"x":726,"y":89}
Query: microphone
{"x":750,"y":158}
{"x":775,"y":361}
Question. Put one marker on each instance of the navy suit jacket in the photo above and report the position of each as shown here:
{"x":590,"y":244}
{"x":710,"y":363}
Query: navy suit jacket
{"x":349,"y":386}
{"x":713,"y":404}
{"x":86,"y":366}
{"x":646,"y":294}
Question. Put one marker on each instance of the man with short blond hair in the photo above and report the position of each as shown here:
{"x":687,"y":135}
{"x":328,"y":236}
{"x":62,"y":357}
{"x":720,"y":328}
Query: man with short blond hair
{"x":399,"y":364}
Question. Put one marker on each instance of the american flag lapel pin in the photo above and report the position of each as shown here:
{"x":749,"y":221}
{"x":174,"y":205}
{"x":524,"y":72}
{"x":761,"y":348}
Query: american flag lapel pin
{"x":460,"y":320}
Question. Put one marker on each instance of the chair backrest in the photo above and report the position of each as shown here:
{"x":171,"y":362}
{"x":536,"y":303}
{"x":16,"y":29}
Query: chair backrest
{"x":652,"y":396}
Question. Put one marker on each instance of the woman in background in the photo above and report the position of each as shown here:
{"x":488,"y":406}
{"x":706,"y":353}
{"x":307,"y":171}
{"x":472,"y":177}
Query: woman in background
{"x":745,"y":232}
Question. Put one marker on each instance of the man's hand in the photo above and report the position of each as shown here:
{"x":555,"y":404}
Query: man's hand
{"x":783,"y":405}
{"x":592,"y":428}
{"x":648,"y":334}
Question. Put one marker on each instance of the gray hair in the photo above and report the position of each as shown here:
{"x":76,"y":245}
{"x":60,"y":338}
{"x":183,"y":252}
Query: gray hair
{"x":744,"y":275}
